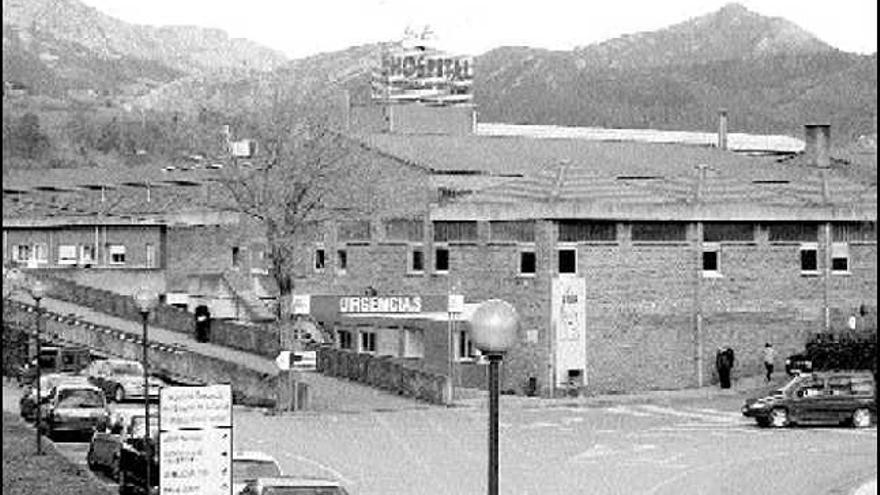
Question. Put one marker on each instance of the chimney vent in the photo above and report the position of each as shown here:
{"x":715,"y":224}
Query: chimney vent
{"x":818,"y":143}
{"x":722,"y":129}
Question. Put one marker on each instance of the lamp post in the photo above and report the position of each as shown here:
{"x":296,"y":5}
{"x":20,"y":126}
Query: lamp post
{"x":493,"y":329}
{"x":37,"y":291}
{"x":146,"y":300}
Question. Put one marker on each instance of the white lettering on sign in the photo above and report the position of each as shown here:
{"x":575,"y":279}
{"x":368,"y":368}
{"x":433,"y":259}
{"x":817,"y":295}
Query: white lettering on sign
{"x":389,"y":304}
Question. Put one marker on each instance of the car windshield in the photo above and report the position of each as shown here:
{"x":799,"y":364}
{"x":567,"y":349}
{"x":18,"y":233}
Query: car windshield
{"x":128,"y":369}
{"x":291,"y":490}
{"x":248,"y":469}
{"x":80,"y":398}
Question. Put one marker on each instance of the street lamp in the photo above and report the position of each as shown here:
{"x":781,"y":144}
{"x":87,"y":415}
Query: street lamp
{"x":146,"y":300}
{"x":38,"y":290}
{"x":493,"y":329}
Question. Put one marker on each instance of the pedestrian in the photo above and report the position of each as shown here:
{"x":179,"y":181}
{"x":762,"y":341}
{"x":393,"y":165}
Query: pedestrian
{"x":769,"y":359}
{"x":723,"y":363}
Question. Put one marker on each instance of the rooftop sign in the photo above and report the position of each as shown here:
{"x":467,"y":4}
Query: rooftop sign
{"x":423,"y":74}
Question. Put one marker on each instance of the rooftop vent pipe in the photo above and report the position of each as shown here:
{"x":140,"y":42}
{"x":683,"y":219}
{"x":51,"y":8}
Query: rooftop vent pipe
{"x":722,"y":129}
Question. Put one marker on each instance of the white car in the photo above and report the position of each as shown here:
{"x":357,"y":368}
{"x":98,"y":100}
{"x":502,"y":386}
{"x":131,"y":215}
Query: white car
{"x":294,"y":485}
{"x":247,"y":466}
{"x":122,"y":379}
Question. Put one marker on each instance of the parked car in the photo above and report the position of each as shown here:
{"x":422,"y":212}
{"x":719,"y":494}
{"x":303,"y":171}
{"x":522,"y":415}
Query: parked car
{"x":294,"y":485}
{"x":133,"y":465}
{"x":797,"y":364}
{"x":27,"y":404}
{"x":74,"y":408}
{"x":831,"y":397}
{"x":105,"y":446}
{"x":55,"y":359}
{"x":122,"y":379}
{"x":248,"y":466}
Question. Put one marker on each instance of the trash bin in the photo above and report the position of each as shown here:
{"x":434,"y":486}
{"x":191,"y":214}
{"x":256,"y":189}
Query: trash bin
{"x":203,"y":323}
{"x":302,"y":396}
{"x":532,"y":387}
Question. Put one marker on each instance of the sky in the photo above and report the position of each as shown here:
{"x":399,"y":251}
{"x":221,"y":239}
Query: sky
{"x":472,"y":27}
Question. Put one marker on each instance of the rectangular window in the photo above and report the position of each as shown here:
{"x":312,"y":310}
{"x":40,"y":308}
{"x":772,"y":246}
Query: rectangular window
{"x":41,"y":252}
{"x":515,"y":231}
{"x":728,"y":232}
{"x":236,"y":257}
{"x":319,"y":260}
{"x":464,"y":347}
{"x":117,"y":254}
{"x":368,"y":342}
{"x":87,"y":254}
{"x":840,"y":257}
{"x":67,"y":254}
{"x":793,"y":232}
{"x":854,"y":232}
{"x":21,"y":253}
{"x":809,"y":258}
{"x":341,"y":260}
{"x":659,"y":231}
{"x":567,"y":260}
{"x":455,"y":231}
{"x":711,"y":259}
{"x":441,"y":259}
{"x":344,"y":337}
{"x":405,"y":229}
{"x":416,"y":259}
{"x":527,"y":262}
{"x":357,"y":231}
{"x":151,"y":255}
{"x":587,"y":231}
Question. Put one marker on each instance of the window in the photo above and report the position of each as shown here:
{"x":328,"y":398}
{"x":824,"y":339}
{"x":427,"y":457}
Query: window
{"x":527,"y":262}
{"x":151,"y":255}
{"x":809,"y":258}
{"x":516,"y":231}
{"x":839,"y":385}
{"x":567,"y":260}
{"x":354,"y":231}
{"x":341,"y":260}
{"x":41,"y":252}
{"x":67,"y":254}
{"x":87,"y":254}
{"x":659,"y":231}
{"x":587,"y":231}
{"x":455,"y":231}
{"x":854,"y":232}
{"x":319,"y":259}
{"x":441,"y":259}
{"x":711,"y":259}
{"x":416,"y":259}
{"x":344,"y":337}
{"x":21,"y":253}
{"x":368,"y":342}
{"x":117,"y":254}
{"x":793,"y":232}
{"x":236,"y":257}
{"x":464,"y":347}
{"x":728,"y":232}
{"x":404,"y":229}
{"x":840,"y":257}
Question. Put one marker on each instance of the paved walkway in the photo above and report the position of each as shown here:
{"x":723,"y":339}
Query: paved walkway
{"x":326,"y":393}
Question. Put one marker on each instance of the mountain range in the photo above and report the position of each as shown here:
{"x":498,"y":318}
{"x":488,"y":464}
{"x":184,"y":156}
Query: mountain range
{"x":770,"y":74}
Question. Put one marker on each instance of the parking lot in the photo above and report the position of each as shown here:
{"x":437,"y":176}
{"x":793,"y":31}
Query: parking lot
{"x":698,"y":446}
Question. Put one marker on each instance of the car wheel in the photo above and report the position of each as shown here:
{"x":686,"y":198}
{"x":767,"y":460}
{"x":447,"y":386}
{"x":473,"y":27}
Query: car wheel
{"x":861,"y":418}
{"x":762,"y":422}
{"x":779,"y":417}
{"x":119,"y":393}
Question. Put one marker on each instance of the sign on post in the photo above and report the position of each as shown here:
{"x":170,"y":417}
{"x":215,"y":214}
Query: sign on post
{"x":195,"y":440}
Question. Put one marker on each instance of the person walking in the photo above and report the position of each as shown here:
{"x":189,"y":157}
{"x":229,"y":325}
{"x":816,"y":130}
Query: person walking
{"x":769,"y":359}
{"x":724,"y":363}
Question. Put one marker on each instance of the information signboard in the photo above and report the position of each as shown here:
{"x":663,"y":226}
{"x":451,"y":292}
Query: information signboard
{"x":195,"y":440}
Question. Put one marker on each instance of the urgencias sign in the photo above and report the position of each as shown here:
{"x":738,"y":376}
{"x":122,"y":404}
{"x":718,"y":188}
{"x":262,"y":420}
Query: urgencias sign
{"x":385,"y":304}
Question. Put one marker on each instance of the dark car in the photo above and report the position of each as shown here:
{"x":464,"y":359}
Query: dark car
{"x":106,"y":446}
{"x":133,"y":466}
{"x":54,"y":359}
{"x":797,"y":364}
{"x":824,"y":397}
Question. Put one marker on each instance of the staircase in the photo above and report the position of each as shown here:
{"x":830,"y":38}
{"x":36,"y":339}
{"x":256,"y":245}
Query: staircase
{"x":247,"y":296}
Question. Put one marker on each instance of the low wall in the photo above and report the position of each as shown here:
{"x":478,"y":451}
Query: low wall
{"x":249,"y":386}
{"x":384,"y":373}
{"x":258,"y":339}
